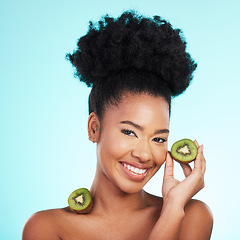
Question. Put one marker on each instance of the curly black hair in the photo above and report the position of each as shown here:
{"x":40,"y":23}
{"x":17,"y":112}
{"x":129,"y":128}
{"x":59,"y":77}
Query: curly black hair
{"x":133,"y":54}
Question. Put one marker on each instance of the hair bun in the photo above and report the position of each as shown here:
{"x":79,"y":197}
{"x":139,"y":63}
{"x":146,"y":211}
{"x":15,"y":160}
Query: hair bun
{"x":134,"y":42}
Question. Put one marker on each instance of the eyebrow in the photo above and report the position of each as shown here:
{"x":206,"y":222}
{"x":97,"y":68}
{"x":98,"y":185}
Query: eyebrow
{"x":141,"y":128}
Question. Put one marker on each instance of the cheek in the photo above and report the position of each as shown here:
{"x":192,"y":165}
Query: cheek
{"x":160,"y":156}
{"x":114,"y":145}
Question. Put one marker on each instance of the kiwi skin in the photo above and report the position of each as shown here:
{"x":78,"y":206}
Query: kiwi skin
{"x":84,"y":211}
{"x":87,"y":209}
{"x":184,"y":161}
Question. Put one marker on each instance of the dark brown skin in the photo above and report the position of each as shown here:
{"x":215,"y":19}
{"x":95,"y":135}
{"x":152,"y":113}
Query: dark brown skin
{"x":122,"y":210}
{"x":64,"y":224}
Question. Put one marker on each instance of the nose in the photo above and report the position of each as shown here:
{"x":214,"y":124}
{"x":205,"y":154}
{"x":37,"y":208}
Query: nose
{"x":142,"y":151}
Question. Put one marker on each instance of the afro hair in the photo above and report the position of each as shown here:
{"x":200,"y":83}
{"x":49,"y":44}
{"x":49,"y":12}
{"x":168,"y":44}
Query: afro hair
{"x":132,"y":52}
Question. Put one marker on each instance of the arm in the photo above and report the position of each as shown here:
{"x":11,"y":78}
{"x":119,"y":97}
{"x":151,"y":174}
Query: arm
{"x":40,"y":226}
{"x":176,"y":212}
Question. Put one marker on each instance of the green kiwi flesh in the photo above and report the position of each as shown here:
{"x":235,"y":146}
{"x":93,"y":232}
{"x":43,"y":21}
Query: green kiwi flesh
{"x":80,"y":201}
{"x":184,"y":151}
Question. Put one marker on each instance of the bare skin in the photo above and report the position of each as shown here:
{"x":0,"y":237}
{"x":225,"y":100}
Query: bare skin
{"x":134,"y":134}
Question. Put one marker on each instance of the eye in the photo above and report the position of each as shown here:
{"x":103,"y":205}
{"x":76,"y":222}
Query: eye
{"x":128,"y":132}
{"x":159,"y":140}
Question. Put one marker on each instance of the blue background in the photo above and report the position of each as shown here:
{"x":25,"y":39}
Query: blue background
{"x":44,"y":149}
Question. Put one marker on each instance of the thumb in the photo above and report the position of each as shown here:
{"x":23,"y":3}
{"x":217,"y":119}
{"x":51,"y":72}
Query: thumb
{"x":168,"y":172}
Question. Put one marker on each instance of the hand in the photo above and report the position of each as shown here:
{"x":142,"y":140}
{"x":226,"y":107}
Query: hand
{"x":177,"y":192}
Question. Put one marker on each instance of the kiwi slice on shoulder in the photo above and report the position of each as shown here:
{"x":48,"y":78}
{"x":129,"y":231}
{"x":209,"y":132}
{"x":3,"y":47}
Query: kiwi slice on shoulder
{"x":184,"y":151}
{"x":80,"y":201}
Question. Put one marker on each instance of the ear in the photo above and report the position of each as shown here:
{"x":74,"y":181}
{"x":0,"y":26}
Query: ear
{"x":93,"y":127}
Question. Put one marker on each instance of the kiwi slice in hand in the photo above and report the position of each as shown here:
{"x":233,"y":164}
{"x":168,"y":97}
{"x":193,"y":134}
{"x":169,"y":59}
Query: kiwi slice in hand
{"x":184,"y":151}
{"x":80,"y":201}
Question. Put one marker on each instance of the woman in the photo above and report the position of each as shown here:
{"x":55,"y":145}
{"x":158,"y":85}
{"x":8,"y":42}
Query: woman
{"x":135,"y":65}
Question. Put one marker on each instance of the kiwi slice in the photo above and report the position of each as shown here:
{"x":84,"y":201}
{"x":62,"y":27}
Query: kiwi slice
{"x":184,"y":151}
{"x":80,"y":201}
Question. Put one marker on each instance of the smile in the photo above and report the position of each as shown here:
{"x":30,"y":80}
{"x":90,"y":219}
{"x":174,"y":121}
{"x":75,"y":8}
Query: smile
{"x":136,"y":170}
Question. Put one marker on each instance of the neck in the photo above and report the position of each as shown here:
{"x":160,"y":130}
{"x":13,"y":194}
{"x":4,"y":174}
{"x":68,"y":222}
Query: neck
{"x":108,"y":197}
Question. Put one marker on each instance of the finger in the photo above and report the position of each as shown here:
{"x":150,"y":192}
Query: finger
{"x":186,"y":169}
{"x":196,"y":142}
{"x":198,"y":161}
{"x":203,"y":163}
{"x":168,"y":172}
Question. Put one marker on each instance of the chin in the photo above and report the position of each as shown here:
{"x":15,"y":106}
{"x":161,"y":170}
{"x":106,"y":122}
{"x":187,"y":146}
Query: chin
{"x":131,"y":188}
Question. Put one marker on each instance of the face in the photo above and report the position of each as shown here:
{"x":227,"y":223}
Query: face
{"x":132,"y":144}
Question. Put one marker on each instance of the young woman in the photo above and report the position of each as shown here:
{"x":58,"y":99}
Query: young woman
{"x":135,"y":65}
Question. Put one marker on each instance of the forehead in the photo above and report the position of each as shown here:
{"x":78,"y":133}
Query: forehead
{"x":140,"y":108}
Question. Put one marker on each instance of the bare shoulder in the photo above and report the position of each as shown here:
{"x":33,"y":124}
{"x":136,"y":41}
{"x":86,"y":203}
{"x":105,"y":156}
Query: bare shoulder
{"x":42,"y":225}
{"x":198,"y":221}
{"x":56,"y":224}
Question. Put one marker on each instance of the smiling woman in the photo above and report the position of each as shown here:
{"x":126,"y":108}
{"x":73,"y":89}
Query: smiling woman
{"x":133,"y":139}
{"x":134,"y":66}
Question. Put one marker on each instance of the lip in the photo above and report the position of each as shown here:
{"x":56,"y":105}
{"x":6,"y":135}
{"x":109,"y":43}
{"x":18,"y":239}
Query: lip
{"x":134,"y":176}
{"x":137,"y":165}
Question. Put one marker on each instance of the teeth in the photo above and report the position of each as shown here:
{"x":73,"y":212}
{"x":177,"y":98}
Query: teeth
{"x":133,"y":169}
{"x":136,"y":170}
